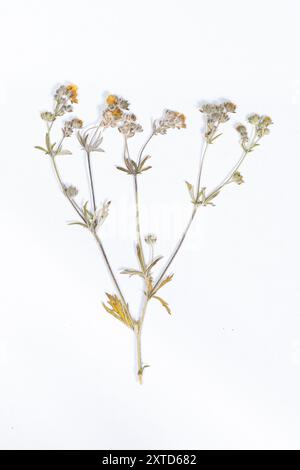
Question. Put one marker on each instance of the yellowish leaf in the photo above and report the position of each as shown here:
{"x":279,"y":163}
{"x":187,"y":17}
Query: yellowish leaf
{"x":118,"y":310}
{"x":163,"y":302}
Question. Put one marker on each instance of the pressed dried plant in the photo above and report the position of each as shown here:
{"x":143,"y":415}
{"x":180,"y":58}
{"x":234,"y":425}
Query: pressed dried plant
{"x":91,"y":216}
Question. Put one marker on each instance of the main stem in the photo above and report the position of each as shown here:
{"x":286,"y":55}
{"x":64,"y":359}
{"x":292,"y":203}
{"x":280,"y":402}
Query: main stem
{"x":138,"y":334}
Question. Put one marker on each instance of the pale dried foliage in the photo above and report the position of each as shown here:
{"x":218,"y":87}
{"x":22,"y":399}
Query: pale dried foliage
{"x":116,"y":115}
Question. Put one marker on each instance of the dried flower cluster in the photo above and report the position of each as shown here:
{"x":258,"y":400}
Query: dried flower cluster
{"x":115,"y":116}
{"x":216,"y":114}
{"x":92,"y":215}
{"x":170,"y":120}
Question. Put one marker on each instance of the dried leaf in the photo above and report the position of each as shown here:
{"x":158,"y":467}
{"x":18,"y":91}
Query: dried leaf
{"x":132,"y":272}
{"x":190,"y":190}
{"x":164,"y":303}
{"x":64,"y":152}
{"x":163,"y":283}
{"x":78,"y":223}
{"x":210,"y":198}
{"x":153,"y":263}
{"x":123,"y":169}
{"x":140,"y":257}
{"x":41,"y":148}
{"x":118,"y":310}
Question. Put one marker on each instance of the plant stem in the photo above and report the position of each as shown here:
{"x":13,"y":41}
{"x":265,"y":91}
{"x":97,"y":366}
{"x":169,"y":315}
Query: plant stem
{"x":220,"y":186}
{"x":75,"y":206}
{"x":88,"y":156}
{"x":143,"y":148}
{"x":72,"y":202}
{"x":171,"y":259}
{"x":137,"y":216}
{"x":201,"y":168}
{"x":138,"y":333}
{"x":100,"y":245}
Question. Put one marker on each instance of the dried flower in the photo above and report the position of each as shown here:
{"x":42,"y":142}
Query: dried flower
{"x":254,"y":119}
{"x":237,"y":178}
{"x":150,"y":239}
{"x":64,"y":97}
{"x":71,"y":191}
{"x":230,"y":107}
{"x":114,"y":116}
{"x":112,"y":100}
{"x":47,"y":116}
{"x":129,"y":128}
{"x":170,"y":120}
{"x":216,"y":114}
{"x":77,"y":123}
{"x":261,"y":125}
{"x":73,"y":93}
{"x":67,"y":129}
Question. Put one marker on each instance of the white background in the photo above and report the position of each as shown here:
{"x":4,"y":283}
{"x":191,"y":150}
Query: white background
{"x":225,"y":366}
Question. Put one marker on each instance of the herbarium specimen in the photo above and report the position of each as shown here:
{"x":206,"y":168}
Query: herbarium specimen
{"x":91,"y":216}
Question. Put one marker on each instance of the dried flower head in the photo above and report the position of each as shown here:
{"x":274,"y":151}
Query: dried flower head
{"x":64,"y":97}
{"x":254,"y":119}
{"x":216,"y":114}
{"x":77,"y":123}
{"x":262,"y":128}
{"x":129,"y":126}
{"x":47,"y":116}
{"x":71,"y":191}
{"x":72,"y":90}
{"x":237,"y":178}
{"x":68,"y":129}
{"x":115,"y":116}
{"x":261,"y":125}
{"x":170,"y":120}
{"x":150,"y":238}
